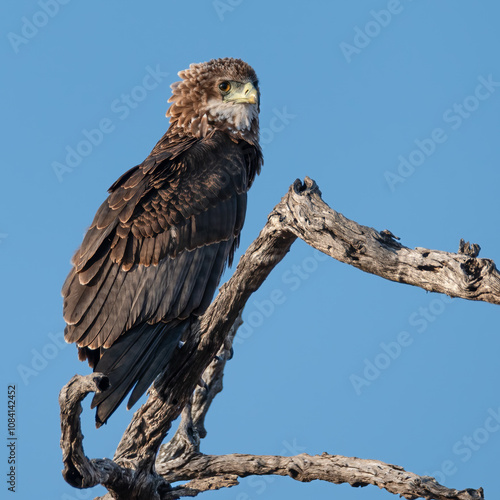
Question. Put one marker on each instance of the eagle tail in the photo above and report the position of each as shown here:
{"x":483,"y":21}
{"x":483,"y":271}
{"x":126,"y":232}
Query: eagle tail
{"x":136,"y":359}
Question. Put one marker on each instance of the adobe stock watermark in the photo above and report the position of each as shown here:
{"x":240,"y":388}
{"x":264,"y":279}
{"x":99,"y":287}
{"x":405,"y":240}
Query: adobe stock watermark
{"x":281,"y":118}
{"x":453,"y":118}
{"x":40,"y":358}
{"x":389,"y":352}
{"x":292,"y":279}
{"x":468,"y":445}
{"x":31,"y":26}
{"x":363,"y":36}
{"x":222,"y":7}
{"x":121,"y":107}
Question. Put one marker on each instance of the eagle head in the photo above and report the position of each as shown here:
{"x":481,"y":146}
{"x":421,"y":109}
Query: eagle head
{"x":221,"y":94}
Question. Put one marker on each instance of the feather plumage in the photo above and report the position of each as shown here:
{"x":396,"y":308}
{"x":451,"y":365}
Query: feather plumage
{"x":154,"y":254}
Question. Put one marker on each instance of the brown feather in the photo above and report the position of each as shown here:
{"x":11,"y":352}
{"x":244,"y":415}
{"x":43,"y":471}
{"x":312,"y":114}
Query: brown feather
{"x":157,"y":247}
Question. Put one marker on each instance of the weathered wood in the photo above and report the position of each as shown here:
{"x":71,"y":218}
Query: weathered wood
{"x":301,"y":213}
{"x":463,"y":275}
{"x":186,"y":441}
{"x":332,"y":468}
{"x":78,"y":470}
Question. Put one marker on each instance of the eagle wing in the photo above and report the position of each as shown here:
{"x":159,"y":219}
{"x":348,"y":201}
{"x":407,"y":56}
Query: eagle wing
{"x":154,"y":254}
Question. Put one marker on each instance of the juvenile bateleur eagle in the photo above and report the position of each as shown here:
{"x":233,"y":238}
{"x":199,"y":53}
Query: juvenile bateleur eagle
{"x":152,"y":259}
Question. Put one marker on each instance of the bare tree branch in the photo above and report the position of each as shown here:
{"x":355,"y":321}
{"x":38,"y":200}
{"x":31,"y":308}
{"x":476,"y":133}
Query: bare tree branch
{"x":332,"y":468}
{"x":197,"y":486}
{"x":458,"y":275}
{"x":78,"y":470}
{"x":186,"y":441}
{"x":301,"y":213}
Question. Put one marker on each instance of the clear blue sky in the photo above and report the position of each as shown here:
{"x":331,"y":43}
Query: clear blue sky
{"x":392,"y":106}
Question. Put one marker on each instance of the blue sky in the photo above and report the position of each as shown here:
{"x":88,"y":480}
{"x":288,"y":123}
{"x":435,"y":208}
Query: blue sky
{"x":392,"y":106}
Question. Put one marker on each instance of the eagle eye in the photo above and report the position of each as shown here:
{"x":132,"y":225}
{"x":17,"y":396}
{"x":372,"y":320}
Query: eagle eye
{"x":225,"y":87}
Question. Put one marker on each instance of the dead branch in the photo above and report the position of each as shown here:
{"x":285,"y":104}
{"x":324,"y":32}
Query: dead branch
{"x":305,"y":468}
{"x":301,"y":213}
{"x":457,"y":275}
{"x":186,"y":441}
{"x":79,"y":471}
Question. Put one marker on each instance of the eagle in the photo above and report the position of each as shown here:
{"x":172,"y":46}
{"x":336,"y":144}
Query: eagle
{"x":152,"y":259}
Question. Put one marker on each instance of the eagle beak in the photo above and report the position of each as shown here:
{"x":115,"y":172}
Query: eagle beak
{"x":246,"y":94}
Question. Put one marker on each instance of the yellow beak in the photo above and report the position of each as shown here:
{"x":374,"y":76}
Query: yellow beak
{"x":246,"y":94}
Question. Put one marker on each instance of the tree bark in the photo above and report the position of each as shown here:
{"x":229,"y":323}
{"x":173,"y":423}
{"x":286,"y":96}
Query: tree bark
{"x":301,"y":213}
